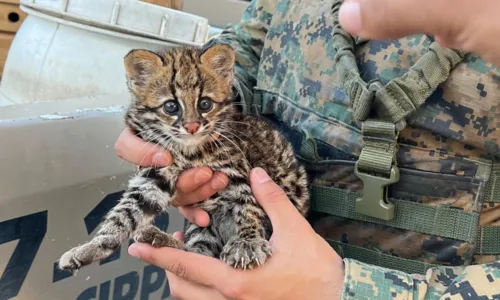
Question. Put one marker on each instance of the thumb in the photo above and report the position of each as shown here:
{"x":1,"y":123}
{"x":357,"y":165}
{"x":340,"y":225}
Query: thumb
{"x":391,"y":19}
{"x":273,"y":199}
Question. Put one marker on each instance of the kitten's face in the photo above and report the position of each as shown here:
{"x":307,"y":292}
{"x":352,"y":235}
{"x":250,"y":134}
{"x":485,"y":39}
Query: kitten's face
{"x":182,"y":95}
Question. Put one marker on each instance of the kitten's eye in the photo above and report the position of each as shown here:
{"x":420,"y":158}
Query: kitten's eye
{"x":205,"y":105}
{"x":171,"y":107}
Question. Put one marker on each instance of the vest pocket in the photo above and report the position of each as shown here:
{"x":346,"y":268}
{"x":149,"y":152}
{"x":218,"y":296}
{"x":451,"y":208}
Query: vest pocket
{"x":436,"y":216}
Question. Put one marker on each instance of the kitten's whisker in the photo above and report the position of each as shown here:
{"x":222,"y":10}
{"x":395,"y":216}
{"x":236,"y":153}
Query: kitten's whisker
{"x":154,"y":157}
{"x":224,"y":148}
{"x":238,"y":122}
{"x":225,"y":130}
{"x":156,"y":137}
{"x":226,"y":126}
{"x":234,"y":132}
{"x":143,"y":131}
{"x":227,"y":150}
{"x":145,"y":155}
{"x":243,"y":153}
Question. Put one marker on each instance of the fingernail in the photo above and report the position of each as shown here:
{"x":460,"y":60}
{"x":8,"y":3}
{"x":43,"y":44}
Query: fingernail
{"x":218,"y":183}
{"x":201,"y":177}
{"x":133,"y":250}
{"x":160,"y":159}
{"x":260,"y":175}
{"x":350,"y":17}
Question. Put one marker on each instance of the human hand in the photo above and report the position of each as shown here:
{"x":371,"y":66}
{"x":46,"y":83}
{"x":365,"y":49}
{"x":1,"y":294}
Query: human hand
{"x":193,"y":186}
{"x":469,"y":25}
{"x":303,"y":265}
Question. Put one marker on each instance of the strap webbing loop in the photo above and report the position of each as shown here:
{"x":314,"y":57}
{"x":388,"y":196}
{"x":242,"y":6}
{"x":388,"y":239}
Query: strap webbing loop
{"x":401,"y":96}
{"x":434,"y":220}
{"x":379,"y":147}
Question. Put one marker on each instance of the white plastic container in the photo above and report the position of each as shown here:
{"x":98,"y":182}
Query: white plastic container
{"x":75,"y":49}
{"x":228,"y":11}
{"x":59,"y":176}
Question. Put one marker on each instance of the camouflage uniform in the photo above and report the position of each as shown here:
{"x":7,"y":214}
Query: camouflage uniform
{"x":286,"y":71}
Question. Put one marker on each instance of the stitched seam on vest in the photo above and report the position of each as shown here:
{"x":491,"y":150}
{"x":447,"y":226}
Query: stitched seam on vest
{"x":324,"y":118}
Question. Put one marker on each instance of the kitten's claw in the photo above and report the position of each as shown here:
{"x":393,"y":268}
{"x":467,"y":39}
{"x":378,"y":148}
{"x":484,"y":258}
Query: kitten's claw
{"x":258,"y":263}
{"x":246,"y":254}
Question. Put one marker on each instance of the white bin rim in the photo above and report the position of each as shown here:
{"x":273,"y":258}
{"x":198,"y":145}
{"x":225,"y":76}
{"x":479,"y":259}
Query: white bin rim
{"x":129,"y":16}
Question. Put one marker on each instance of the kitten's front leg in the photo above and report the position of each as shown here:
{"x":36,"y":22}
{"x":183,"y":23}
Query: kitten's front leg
{"x":248,"y":248}
{"x":149,"y":193}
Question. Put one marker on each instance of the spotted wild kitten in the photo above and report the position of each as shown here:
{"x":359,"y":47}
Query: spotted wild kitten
{"x":183,"y":101}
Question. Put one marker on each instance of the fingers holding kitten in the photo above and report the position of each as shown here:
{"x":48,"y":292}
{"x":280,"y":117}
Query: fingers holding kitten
{"x":195,"y":215}
{"x":193,"y":186}
{"x":194,"y":178}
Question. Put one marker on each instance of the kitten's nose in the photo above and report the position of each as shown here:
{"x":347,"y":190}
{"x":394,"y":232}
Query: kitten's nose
{"x":192,"y":127}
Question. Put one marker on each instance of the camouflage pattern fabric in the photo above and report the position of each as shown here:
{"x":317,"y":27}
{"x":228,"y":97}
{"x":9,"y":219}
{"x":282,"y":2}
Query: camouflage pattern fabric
{"x":478,"y":282}
{"x":286,"y":71}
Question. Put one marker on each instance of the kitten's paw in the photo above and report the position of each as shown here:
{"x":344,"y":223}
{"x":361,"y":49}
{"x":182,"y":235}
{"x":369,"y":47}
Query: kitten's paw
{"x":81,"y":256}
{"x":156,"y":238}
{"x":69,"y":261}
{"x":86,"y":254}
{"x":246,"y":254}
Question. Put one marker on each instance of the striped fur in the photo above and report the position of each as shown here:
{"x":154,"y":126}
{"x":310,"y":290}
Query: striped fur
{"x":225,"y":141}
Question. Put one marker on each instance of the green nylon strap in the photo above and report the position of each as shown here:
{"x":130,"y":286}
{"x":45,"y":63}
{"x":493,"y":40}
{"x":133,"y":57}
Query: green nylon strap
{"x":379,"y":147}
{"x":440,"y":221}
{"x":492,"y":193}
{"x":401,"y":96}
{"x":379,"y":259}
{"x":488,"y":241}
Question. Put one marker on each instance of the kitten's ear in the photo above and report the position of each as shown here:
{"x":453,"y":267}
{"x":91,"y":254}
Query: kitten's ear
{"x":219,"y":58}
{"x":139,"y":64}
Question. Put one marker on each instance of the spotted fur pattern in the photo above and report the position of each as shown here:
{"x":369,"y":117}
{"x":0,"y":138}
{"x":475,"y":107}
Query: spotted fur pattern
{"x":173,"y":90}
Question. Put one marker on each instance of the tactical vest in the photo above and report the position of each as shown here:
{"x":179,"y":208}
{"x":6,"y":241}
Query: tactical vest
{"x":401,"y":147}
